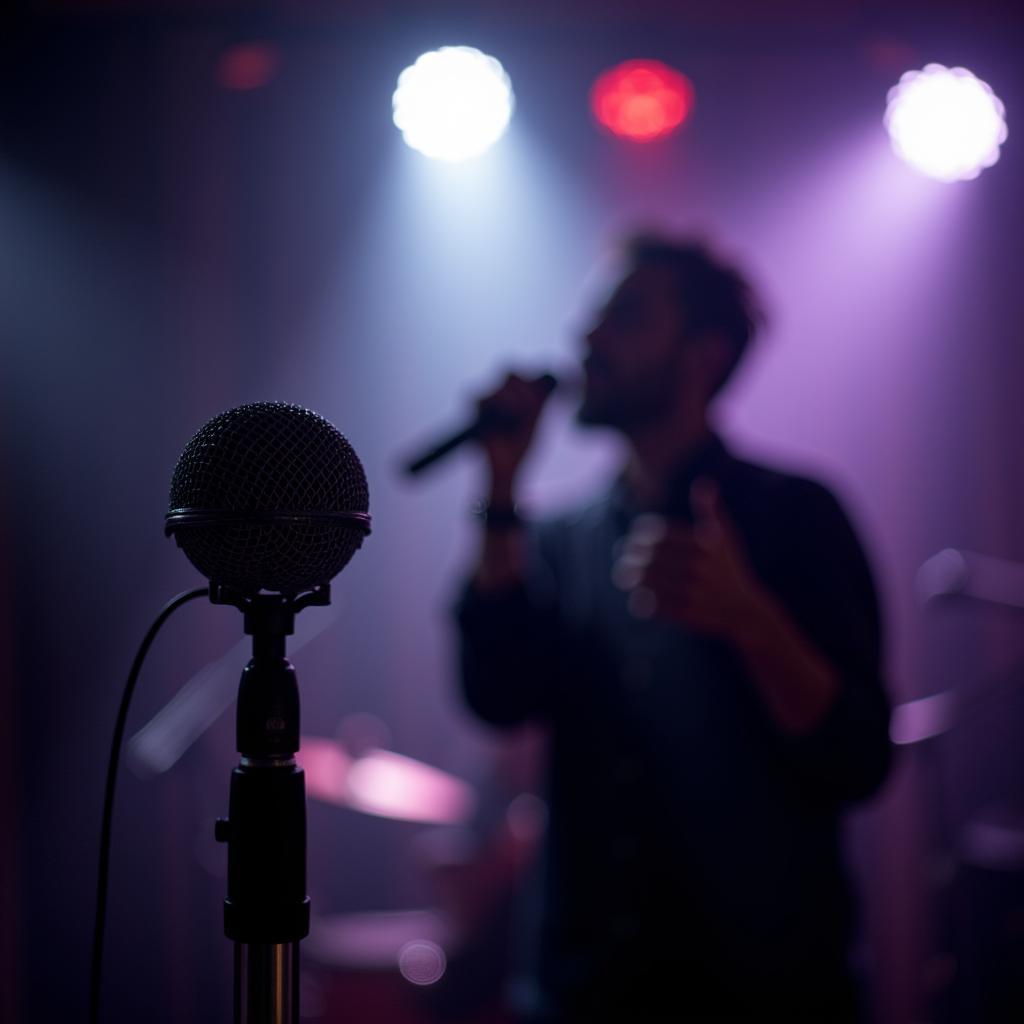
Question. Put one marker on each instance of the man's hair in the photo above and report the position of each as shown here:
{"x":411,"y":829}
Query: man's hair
{"x":715,"y":297}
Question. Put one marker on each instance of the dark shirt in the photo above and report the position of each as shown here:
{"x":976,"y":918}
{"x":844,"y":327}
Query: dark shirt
{"x":692,"y":857}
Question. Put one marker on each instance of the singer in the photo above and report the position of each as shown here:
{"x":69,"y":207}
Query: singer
{"x":703,"y":643}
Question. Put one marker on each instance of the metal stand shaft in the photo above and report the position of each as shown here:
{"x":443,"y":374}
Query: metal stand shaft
{"x":266,"y":912}
{"x":267,"y":982}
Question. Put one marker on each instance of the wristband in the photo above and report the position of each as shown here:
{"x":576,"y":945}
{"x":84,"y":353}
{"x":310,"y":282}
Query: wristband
{"x":497,"y":517}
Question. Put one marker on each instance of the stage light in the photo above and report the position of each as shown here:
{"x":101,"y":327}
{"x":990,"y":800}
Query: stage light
{"x":642,"y":100}
{"x":453,"y":103}
{"x":945,"y":122}
{"x":247,"y":66}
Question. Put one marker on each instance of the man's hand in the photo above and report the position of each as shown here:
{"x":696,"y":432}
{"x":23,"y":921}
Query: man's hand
{"x":695,"y":575}
{"x":698,"y":576}
{"x":517,"y":405}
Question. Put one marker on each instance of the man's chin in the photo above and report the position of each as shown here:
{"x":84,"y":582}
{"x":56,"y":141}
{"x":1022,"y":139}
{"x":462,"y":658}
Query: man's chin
{"x":618,"y":416}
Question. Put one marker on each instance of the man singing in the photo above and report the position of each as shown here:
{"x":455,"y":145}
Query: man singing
{"x":702,"y":642}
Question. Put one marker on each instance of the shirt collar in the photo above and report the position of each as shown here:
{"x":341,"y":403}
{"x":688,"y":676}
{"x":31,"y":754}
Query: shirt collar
{"x":711,"y":460}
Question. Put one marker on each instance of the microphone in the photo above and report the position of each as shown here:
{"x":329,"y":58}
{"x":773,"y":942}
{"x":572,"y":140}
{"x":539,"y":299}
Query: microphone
{"x":268,"y":496}
{"x":489,"y":421}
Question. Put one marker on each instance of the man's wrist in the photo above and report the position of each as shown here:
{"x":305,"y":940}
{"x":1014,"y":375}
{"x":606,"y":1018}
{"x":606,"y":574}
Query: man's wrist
{"x":757,"y":618}
{"x":504,"y":515}
{"x":501,"y":493}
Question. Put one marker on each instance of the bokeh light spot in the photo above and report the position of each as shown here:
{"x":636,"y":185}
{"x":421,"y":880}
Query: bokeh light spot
{"x":945,"y":122}
{"x":247,"y":66}
{"x":453,"y":103}
{"x":422,"y":962}
{"x":642,"y":100}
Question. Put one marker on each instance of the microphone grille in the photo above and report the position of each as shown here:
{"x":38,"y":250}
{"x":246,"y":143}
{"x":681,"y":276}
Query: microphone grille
{"x":262,"y":483}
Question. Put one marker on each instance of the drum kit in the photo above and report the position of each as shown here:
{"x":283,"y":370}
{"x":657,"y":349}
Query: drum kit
{"x":384,"y":784}
{"x":968,"y":737}
{"x":995,"y":837}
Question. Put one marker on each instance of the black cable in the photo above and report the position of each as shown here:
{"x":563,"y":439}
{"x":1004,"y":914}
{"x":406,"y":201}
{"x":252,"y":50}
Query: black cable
{"x":108,"y":800}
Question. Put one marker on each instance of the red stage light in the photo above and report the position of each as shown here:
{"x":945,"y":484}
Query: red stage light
{"x":247,"y":66}
{"x":642,"y":99}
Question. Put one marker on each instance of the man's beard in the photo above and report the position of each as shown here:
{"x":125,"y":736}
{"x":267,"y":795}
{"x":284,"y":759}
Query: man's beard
{"x":645,"y":403}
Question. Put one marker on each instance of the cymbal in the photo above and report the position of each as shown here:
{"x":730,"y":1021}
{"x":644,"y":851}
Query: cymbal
{"x":383,"y":783}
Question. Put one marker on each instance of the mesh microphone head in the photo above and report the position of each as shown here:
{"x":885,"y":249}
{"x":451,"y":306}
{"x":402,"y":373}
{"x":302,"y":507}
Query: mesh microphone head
{"x":269,"y":496}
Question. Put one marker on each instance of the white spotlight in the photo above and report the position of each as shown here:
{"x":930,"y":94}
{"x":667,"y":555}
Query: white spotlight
{"x":945,"y":122}
{"x":453,"y":103}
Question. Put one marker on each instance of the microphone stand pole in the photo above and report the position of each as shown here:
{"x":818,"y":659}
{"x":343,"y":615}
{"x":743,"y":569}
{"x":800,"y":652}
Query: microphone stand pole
{"x":266,"y":912}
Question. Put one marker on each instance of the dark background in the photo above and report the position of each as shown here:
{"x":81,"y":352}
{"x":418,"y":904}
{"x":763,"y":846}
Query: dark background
{"x":172,"y":248}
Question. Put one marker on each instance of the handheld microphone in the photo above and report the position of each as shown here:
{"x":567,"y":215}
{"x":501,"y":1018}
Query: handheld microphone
{"x":487,"y":422}
{"x":268,"y":496}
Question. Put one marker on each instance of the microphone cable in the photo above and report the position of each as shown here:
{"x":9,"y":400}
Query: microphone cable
{"x":96,"y":973}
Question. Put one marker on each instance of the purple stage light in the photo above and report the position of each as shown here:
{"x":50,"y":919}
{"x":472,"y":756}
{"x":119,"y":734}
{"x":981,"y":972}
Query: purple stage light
{"x":945,"y":122}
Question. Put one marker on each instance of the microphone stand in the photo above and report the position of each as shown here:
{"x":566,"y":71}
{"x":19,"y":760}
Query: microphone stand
{"x":266,"y":912}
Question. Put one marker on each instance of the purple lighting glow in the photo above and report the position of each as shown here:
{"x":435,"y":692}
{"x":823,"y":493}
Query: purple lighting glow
{"x":945,"y":122}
